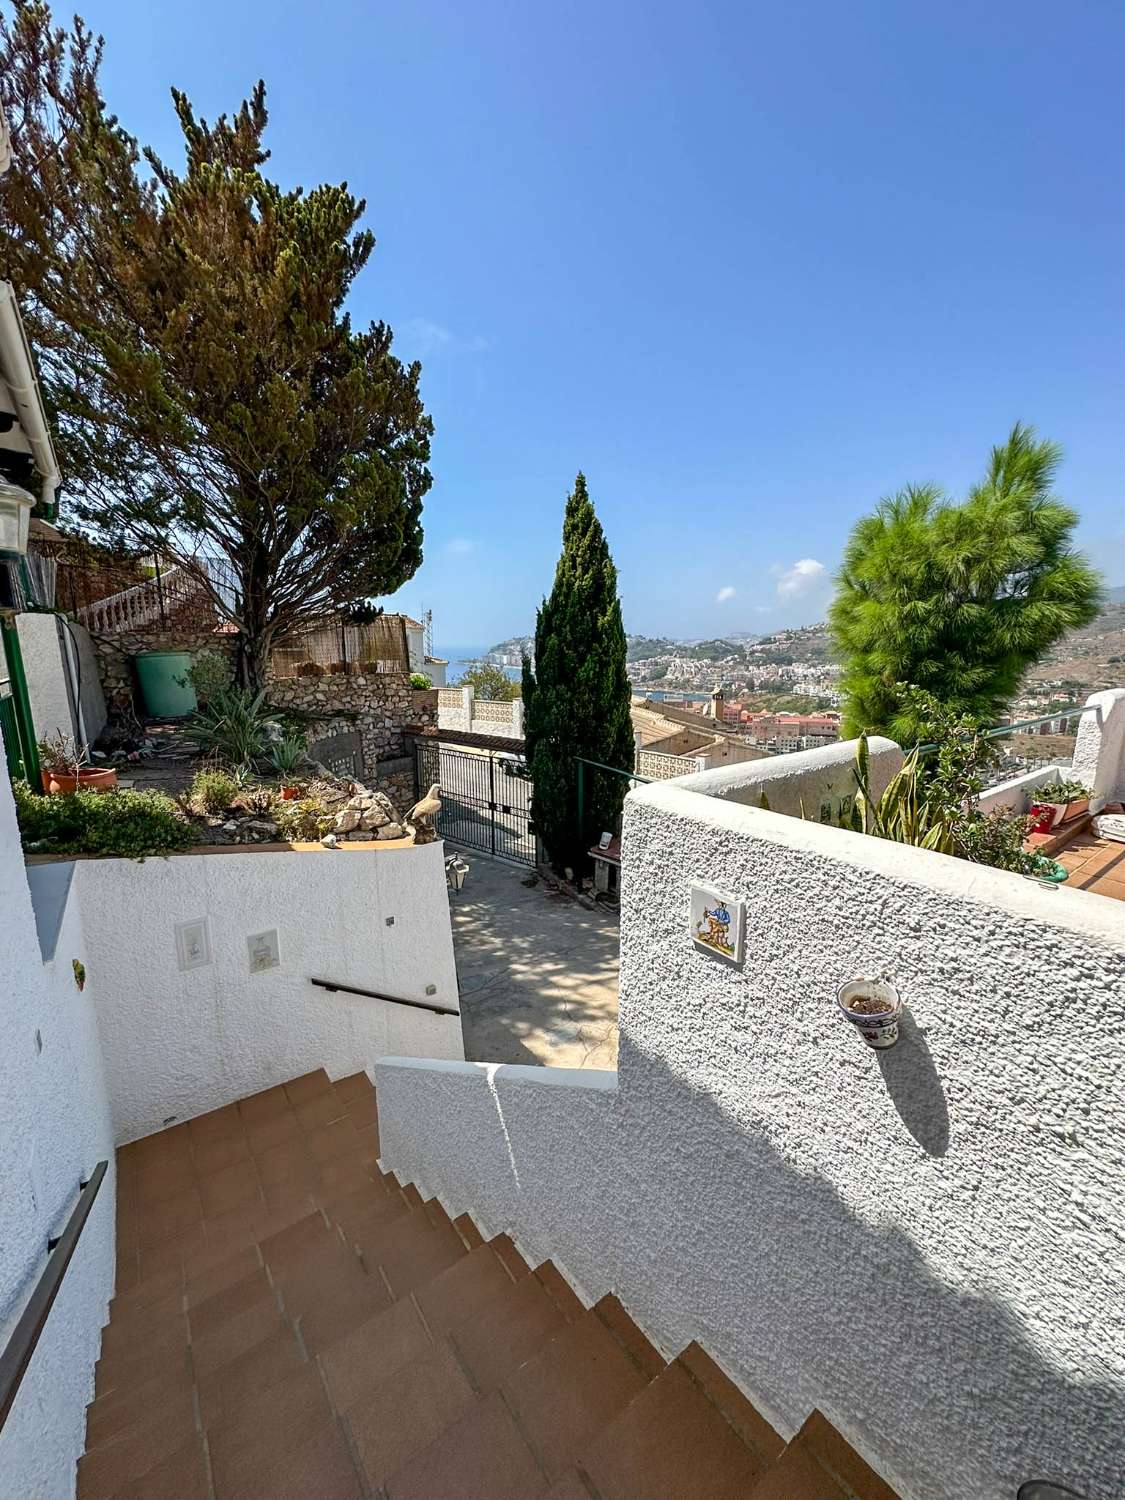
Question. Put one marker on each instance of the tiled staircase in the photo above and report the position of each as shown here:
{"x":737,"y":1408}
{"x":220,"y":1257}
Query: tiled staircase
{"x":291,"y":1323}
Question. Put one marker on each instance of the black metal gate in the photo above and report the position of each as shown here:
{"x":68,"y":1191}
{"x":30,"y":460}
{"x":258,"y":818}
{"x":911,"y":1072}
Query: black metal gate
{"x":485,"y":798}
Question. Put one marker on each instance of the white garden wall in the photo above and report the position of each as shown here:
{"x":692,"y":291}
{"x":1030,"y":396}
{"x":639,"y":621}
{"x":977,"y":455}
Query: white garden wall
{"x":927,"y":1244}
{"x":54,"y":1128}
{"x":61,"y":671}
{"x":179,"y":1042}
{"x":814,"y":784}
{"x":1099,"y":752}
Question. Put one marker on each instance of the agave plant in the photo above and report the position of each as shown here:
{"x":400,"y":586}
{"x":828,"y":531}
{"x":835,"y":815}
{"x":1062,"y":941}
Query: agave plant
{"x":233,"y":725}
{"x":287,"y":755}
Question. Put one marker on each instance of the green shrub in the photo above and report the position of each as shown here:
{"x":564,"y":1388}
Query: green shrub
{"x":209,"y":674}
{"x":126,"y":823}
{"x":1064,"y":790}
{"x":232,"y":725}
{"x":304,"y":821}
{"x":213,"y":791}
{"x":420,"y":680}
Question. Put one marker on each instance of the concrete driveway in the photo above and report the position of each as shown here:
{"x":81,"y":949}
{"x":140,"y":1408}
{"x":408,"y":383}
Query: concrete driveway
{"x":537,"y":972}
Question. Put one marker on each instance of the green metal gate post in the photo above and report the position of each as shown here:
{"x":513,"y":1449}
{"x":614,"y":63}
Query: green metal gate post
{"x":21,"y":703}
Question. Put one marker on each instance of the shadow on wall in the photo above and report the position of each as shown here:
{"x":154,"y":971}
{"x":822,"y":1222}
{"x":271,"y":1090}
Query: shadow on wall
{"x":884,"y":1345}
{"x":706,"y":1231}
{"x":915,"y":1089}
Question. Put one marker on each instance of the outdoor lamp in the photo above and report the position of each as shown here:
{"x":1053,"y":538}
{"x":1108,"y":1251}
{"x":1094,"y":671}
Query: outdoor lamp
{"x":15,"y":514}
{"x":456,"y":869}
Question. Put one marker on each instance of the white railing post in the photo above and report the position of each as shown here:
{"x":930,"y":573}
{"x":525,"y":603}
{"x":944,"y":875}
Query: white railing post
{"x":467,"y":704}
{"x":517,"y":718}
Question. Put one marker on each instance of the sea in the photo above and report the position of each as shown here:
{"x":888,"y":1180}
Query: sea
{"x":461,"y":658}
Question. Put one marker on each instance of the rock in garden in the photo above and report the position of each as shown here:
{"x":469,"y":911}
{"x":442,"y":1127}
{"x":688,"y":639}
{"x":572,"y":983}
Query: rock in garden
{"x":390,"y":831}
{"x":347,"y":819}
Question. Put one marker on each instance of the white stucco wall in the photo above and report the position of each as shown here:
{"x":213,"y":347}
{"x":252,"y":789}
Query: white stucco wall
{"x":54,"y":1128}
{"x":812,"y":783}
{"x":1020,"y":792}
{"x":927,"y":1244}
{"x":1099,"y":752}
{"x":48,"y":663}
{"x":180,"y":1042}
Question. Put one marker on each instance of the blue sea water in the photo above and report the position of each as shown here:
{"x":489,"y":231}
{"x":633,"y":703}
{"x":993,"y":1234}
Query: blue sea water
{"x":461,"y":658}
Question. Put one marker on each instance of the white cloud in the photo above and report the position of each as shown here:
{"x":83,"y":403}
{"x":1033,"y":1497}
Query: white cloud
{"x":422,"y":337}
{"x":460,"y":546}
{"x":725,"y":593}
{"x":805,"y":575}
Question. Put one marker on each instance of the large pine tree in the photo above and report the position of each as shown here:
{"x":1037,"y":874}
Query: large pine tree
{"x":959,"y":599}
{"x":209,"y":391}
{"x":576,"y":702}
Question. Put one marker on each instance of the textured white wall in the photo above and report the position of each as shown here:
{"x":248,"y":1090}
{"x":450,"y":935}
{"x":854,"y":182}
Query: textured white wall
{"x":54,"y":1128}
{"x":803,"y":780}
{"x":47,"y":662}
{"x":1018,"y":794}
{"x":1099,"y":753}
{"x":45,"y":670}
{"x":182,"y":1042}
{"x":925,"y":1243}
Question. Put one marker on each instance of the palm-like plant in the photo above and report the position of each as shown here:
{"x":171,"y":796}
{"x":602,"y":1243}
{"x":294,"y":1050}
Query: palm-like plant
{"x":233,"y":725}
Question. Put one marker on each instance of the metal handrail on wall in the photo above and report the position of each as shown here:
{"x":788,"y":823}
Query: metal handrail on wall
{"x":350,"y":989}
{"x":25,"y":1335}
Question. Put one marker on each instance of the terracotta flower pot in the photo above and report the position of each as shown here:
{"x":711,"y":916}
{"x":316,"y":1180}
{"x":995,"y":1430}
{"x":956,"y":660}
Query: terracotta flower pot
{"x":1074,"y":809}
{"x":290,"y":793}
{"x":64,"y":783}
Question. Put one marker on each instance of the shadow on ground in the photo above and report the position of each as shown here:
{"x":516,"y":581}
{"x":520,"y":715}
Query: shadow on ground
{"x":537,"y":972}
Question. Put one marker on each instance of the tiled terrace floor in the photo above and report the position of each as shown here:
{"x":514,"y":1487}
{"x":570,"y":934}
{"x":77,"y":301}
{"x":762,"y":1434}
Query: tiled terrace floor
{"x":291,"y":1324}
{"x":1095,"y":864}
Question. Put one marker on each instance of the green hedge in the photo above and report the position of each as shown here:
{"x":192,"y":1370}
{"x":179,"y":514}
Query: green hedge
{"x":126,"y":823}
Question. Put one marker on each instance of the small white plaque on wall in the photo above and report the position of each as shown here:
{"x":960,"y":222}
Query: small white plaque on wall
{"x":263,"y":950}
{"x":193,"y":944}
{"x":718,"y":923}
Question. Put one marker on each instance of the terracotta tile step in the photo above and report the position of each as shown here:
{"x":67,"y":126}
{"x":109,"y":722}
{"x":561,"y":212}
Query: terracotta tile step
{"x":570,"y":1391}
{"x":671,"y":1443}
{"x":490,"y":1344}
{"x":482,"y":1456}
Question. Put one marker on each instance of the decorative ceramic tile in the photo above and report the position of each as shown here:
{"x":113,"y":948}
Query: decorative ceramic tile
{"x":718,"y":923}
{"x":193,"y":944}
{"x":263,"y":950}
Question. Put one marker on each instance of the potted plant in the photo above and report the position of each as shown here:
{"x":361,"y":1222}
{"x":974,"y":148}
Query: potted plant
{"x":1069,"y":799}
{"x":286,"y":756}
{"x":873,"y":1007}
{"x":64,"y":767}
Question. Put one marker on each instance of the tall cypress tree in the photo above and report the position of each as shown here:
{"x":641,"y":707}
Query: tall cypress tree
{"x":576,"y":701}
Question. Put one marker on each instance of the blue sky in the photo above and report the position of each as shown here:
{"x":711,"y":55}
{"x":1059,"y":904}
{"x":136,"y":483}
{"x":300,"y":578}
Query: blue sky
{"x":750,"y":267}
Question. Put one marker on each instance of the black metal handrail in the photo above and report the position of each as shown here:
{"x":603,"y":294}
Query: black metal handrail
{"x":25,"y":1335}
{"x":350,"y":989}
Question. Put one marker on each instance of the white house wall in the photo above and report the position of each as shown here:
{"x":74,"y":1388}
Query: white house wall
{"x":926,"y":1244}
{"x":54,"y":1128}
{"x":180,"y":1042}
{"x":48,"y":661}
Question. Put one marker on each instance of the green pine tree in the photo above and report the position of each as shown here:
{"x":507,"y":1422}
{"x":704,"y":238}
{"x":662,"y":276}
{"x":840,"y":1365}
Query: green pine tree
{"x":576,"y":701}
{"x":959,"y":599}
{"x":210,"y":393}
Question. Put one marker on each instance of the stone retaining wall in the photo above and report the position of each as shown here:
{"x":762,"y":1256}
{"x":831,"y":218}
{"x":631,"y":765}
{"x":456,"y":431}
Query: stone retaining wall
{"x":115,"y":667}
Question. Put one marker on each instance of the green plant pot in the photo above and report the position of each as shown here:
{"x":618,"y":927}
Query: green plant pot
{"x":165,"y":685}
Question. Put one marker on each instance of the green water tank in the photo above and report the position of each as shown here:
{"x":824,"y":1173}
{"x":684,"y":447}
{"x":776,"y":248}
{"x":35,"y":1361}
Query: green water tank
{"x":165,"y":684}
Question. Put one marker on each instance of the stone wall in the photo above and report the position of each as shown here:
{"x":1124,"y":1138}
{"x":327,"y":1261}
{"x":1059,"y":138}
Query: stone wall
{"x":115,"y":667}
{"x":377,"y":706}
